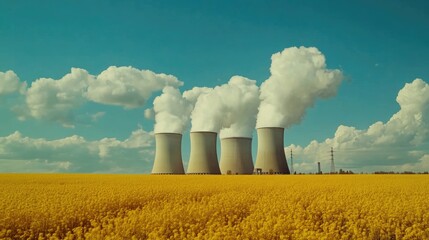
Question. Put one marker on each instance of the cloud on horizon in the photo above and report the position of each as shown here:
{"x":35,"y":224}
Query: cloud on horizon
{"x":400,"y":144}
{"x":57,"y":100}
{"x":135,"y":154}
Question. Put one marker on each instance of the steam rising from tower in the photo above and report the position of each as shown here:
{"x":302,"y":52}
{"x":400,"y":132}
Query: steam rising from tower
{"x":203,"y":159}
{"x":168,"y":155}
{"x":171,"y":111}
{"x":231,"y":107}
{"x":298,"y":78}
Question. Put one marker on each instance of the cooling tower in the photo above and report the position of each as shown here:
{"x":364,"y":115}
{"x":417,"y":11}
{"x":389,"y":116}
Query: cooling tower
{"x":168,"y":155}
{"x":271,"y":158}
{"x":236,"y":156}
{"x":203,"y":159}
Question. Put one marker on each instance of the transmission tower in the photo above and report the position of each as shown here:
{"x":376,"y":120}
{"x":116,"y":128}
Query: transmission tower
{"x":291,"y":162}
{"x":332,"y":161}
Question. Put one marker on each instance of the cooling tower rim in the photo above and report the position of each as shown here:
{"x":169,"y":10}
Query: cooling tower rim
{"x":270,"y":128}
{"x":167,"y":133}
{"x":211,"y":132}
{"x":246,"y":138}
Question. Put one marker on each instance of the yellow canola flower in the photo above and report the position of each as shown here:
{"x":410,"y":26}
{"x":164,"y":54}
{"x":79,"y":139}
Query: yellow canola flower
{"x":85,"y":206}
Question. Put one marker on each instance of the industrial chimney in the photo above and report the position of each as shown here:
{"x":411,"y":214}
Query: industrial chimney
{"x":236,"y":156}
{"x":271,"y":158}
{"x":168,"y":155}
{"x":203,"y":159}
{"x":319,"y":170}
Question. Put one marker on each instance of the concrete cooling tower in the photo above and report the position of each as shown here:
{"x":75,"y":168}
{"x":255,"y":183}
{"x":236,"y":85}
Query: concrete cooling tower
{"x":203,"y":159}
{"x":168,"y":154}
{"x":271,"y":158}
{"x":236,"y":156}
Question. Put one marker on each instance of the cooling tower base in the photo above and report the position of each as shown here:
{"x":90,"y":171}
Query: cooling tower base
{"x":203,"y":174}
{"x":168,"y":154}
{"x":271,"y":158}
{"x":203,"y":157}
{"x":166,"y":174}
{"x":236,"y":156}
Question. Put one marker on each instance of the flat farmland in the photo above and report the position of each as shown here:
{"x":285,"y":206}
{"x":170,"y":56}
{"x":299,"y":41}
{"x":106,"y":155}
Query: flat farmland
{"x":97,"y":206}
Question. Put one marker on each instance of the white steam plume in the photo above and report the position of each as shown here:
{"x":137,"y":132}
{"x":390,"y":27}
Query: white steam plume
{"x":242,"y":107}
{"x":193,"y":94}
{"x":231,"y":107}
{"x":298,"y":78}
{"x":172,"y":111}
{"x":149,"y":113}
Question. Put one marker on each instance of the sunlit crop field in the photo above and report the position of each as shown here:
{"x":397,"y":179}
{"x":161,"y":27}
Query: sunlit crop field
{"x":214,"y":207}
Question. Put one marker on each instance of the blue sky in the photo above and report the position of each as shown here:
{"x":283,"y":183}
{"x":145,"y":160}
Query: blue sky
{"x":379,"y":46}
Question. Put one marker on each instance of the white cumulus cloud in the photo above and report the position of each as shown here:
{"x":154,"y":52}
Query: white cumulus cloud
{"x":55,"y":100}
{"x":400,"y":144}
{"x":58,"y":100}
{"x":19,"y":153}
{"x":10,"y":83}
{"x":97,"y":116}
{"x":128,"y":87}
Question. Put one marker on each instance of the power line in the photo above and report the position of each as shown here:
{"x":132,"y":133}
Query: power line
{"x":291,"y":162}
{"x":332,"y":160}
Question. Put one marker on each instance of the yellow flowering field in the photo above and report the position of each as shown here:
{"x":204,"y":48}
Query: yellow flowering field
{"x":89,"y":206}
